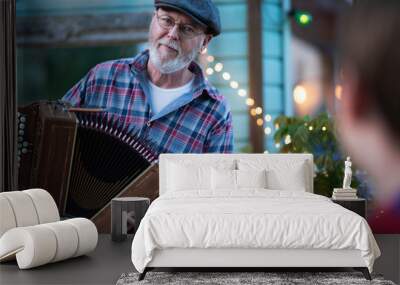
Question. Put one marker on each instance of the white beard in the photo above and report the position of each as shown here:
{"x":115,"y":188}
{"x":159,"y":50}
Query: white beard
{"x":181,"y":61}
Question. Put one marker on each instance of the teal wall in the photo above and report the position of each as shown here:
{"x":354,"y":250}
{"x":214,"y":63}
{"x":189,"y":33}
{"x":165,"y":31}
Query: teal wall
{"x":230,"y":48}
{"x":276,"y":63}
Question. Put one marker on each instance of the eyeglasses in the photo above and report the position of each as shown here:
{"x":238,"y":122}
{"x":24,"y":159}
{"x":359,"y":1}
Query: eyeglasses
{"x":187,"y":31}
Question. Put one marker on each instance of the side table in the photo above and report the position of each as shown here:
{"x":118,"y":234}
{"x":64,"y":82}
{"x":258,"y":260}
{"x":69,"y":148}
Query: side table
{"x":126,"y":214}
{"x":358,"y":206}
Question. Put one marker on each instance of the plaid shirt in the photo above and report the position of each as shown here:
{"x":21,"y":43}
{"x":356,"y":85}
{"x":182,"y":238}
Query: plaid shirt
{"x":196,"y":122}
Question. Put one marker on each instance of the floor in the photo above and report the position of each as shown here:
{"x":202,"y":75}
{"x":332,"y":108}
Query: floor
{"x":110,"y":259}
{"x":103,"y":266}
{"x":389,"y":263}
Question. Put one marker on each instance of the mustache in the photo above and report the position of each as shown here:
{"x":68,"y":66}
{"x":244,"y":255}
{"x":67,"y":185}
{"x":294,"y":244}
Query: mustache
{"x":170,"y":44}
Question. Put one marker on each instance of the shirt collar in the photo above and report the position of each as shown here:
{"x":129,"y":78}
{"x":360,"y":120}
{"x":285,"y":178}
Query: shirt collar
{"x":200,"y":84}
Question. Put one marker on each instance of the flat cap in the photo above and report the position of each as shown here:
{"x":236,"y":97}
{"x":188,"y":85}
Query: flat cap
{"x":202,"y":11}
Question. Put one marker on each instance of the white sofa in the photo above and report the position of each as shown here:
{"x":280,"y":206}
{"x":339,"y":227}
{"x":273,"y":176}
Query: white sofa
{"x":287,"y":175}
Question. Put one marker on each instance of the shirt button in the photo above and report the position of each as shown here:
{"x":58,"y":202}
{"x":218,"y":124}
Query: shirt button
{"x":148,"y":124}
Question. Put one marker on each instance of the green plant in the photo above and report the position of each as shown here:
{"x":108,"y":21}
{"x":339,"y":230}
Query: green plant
{"x":317,"y":136}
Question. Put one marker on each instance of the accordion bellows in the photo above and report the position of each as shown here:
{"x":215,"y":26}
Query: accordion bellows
{"x":84,"y":159}
{"x":107,"y":157}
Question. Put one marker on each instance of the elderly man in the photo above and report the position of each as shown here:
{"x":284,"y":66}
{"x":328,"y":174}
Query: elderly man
{"x":162,"y":92}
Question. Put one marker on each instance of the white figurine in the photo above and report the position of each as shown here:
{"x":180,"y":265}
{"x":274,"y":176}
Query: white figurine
{"x":347,"y":174}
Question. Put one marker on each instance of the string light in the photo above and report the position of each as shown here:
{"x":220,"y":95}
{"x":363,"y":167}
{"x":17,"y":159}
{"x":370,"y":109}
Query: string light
{"x":209,"y":71}
{"x":234,"y":84}
{"x":218,"y":67}
{"x":226,"y":76}
{"x":277,"y":145}
{"x":249,"y":101}
{"x":254,"y":111}
{"x":242,"y":92}
{"x":324,"y":128}
{"x":288,"y":139}
{"x":310,"y":128}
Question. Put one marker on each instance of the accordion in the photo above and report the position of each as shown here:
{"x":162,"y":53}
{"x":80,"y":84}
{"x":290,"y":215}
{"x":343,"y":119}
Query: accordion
{"x":84,"y":159}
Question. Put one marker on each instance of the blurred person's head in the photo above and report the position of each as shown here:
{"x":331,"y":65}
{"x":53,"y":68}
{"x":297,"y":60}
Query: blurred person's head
{"x":369,"y":115}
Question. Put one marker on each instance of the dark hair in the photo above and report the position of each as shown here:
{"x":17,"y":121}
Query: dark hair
{"x":370,"y":43}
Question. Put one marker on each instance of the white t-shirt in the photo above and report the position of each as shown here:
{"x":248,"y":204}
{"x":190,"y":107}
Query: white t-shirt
{"x":161,"y":97}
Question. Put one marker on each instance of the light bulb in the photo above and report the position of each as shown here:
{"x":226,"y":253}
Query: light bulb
{"x":234,"y":84}
{"x":242,"y":92}
{"x":226,"y":76}
{"x":218,"y":67}
{"x":288,"y":139}
{"x":209,"y":71}
{"x":249,"y":101}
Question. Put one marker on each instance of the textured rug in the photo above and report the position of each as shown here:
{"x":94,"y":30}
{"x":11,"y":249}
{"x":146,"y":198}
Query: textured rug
{"x":243,"y":278}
